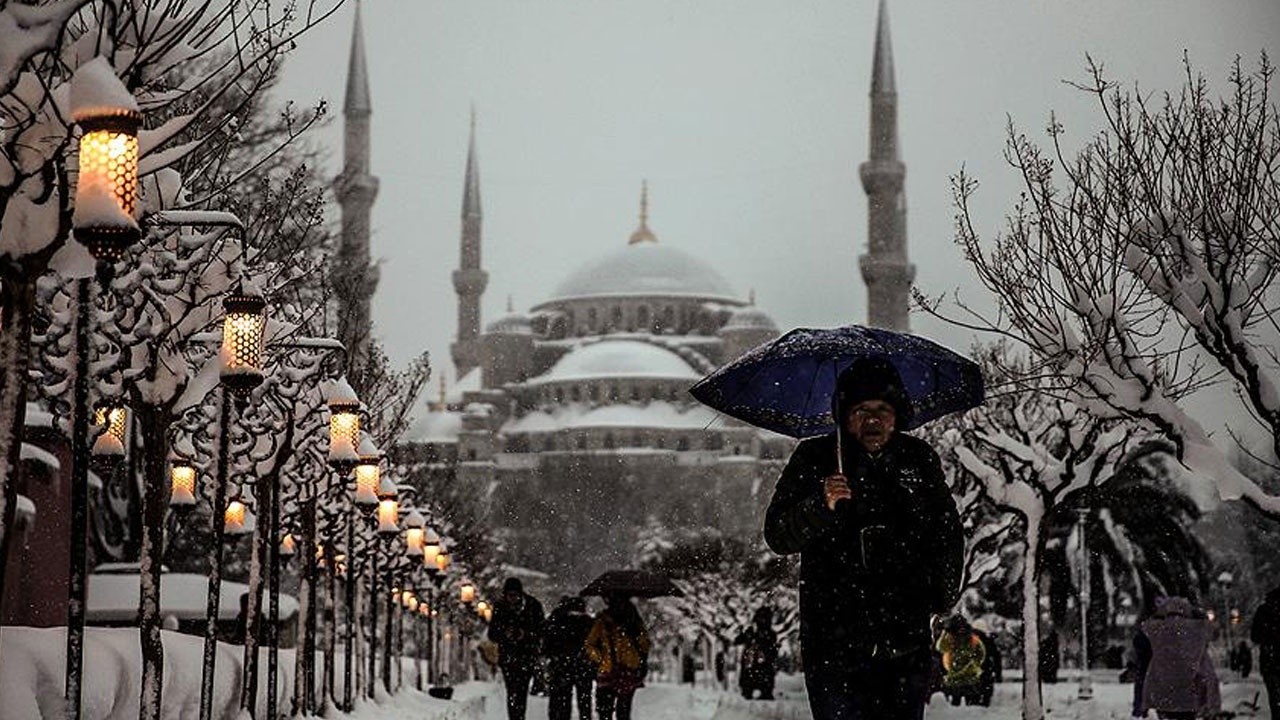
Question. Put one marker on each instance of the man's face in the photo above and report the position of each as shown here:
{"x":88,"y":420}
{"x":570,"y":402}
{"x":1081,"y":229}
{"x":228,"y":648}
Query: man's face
{"x":512,"y":597}
{"x":871,"y":423}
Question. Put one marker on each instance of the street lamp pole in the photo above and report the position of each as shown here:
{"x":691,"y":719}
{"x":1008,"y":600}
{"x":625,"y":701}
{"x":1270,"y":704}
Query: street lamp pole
{"x":1085,"y":692}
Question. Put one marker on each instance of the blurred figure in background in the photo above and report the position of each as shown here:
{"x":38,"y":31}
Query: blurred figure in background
{"x":1265,"y":633}
{"x":564,"y":643}
{"x":759,"y":663}
{"x":619,"y":646}
{"x":1180,"y":682}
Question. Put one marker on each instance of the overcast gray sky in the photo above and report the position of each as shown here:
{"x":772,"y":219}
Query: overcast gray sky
{"x":748,"y":118}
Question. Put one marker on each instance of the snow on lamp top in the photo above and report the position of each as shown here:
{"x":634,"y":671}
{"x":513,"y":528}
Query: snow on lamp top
{"x":242,"y":341}
{"x":107,"y":191}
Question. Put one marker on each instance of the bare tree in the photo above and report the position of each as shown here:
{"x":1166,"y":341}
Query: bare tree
{"x":1142,"y":268}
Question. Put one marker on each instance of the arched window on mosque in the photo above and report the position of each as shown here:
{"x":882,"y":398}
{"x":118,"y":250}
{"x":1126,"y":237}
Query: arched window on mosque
{"x":582,"y":441}
{"x":549,"y":442}
{"x":714,"y":441}
{"x":593,"y":392}
{"x":609,"y":441}
{"x":682,"y":443}
{"x":593,"y":319}
{"x":669,"y":320}
{"x":575,"y":394}
{"x":615,"y":318}
{"x":659,"y":442}
{"x":613,"y":393}
{"x":642,"y":318}
{"x":559,"y":395}
{"x":635,"y":393}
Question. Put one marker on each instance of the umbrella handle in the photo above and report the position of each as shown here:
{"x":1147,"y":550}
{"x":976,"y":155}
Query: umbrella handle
{"x":839,"y":450}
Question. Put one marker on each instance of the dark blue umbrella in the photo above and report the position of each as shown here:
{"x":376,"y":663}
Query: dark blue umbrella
{"x":786,"y":385}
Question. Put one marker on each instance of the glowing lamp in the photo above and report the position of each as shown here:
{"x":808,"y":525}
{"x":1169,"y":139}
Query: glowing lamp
{"x":367,"y":481}
{"x":430,"y":549}
{"x":233,"y":519}
{"x":424,"y":609}
{"x":344,"y":425}
{"x":395,"y":596}
{"x":105,"y":218}
{"x":288,"y":546}
{"x":443,"y":561}
{"x":467,"y":592}
{"x":108,"y":448}
{"x":411,"y":604}
{"x":487,"y":614}
{"x":243,"y":329}
{"x":482,"y":606}
{"x":414,"y":533}
{"x":182,"y":478}
{"x":388,"y":516}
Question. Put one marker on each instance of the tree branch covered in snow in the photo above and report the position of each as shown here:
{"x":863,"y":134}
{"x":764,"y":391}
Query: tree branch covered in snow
{"x":1142,"y":268}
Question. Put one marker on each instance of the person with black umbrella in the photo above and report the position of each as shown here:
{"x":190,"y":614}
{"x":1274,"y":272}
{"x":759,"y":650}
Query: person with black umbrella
{"x":517,"y":629}
{"x":881,"y":546}
{"x":564,"y":643}
{"x":618,"y":644}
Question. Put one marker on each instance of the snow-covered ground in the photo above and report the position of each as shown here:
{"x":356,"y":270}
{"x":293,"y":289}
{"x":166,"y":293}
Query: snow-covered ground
{"x":31,"y":686}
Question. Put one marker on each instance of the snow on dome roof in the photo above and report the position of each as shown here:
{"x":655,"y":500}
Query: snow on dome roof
{"x":647,"y":268}
{"x":434,"y":427}
{"x":657,"y":414}
{"x":616,"y":359}
{"x":750,"y":318}
{"x":513,"y":323}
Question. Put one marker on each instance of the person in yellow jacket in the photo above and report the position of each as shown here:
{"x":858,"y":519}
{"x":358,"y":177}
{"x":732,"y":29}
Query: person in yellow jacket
{"x":619,"y":646}
{"x":963,"y":654}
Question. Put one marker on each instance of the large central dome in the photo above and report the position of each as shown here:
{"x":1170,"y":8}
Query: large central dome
{"x":645,"y":268}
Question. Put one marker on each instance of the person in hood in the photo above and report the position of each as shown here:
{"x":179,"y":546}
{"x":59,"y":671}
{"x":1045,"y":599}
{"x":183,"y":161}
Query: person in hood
{"x":517,"y":629}
{"x":618,"y":644}
{"x":564,"y":644}
{"x":963,"y":658}
{"x":1265,"y":633}
{"x":881,"y":549}
{"x":759,"y":662}
{"x":1180,"y":682}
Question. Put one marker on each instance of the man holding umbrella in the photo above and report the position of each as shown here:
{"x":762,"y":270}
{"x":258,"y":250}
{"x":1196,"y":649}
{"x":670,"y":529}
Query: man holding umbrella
{"x":881,"y":548}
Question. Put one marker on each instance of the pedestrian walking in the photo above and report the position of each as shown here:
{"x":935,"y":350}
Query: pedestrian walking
{"x":517,"y":630}
{"x":1265,"y":633}
{"x":619,"y":646}
{"x":963,"y":657}
{"x":992,"y":668}
{"x":569,"y":670}
{"x":1180,"y":682}
{"x":759,"y":662}
{"x":869,"y":511}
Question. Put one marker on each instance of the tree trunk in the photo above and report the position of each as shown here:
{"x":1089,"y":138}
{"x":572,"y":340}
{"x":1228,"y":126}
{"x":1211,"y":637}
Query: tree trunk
{"x":154,"y":421}
{"x":1032,"y":704}
{"x":213,"y":600}
{"x":17,"y":293}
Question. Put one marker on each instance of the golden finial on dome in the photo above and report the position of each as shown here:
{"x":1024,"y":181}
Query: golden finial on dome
{"x":643,"y":233}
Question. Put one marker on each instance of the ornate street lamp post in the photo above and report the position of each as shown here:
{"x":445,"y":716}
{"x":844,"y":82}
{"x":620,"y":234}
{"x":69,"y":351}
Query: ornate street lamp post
{"x":106,"y":214}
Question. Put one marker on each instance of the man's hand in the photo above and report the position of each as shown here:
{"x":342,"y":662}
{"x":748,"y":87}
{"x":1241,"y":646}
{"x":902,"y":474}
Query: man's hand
{"x":834,"y":489}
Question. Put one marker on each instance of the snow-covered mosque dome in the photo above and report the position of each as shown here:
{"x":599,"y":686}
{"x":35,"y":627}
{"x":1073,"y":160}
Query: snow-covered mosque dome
{"x":750,"y":317}
{"x":513,"y":323}
{"x":646,"y":268}
{"x":620,"y":359}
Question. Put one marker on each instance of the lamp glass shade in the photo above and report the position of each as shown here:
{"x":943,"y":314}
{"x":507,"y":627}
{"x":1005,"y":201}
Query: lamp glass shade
{"x":487,"y":614}
{"x":114,"y":421}
{"x":344,"y":434}
{"x":182,"y":475}
{"x":412,"y":604}
{"x":233,"y":519}
{"x":413,"y":541}
{"x":467,"y":592}
{"x":482,"y":606}
{"x":388,"y":516}
{"x":107,"y":195}
{"x":442,"y":560}
{"x":429,"y":554}
{"x":243,"y":332}
{"x":288,"y":546}
{"x":368,"y":476}
{"x":424,"y":609}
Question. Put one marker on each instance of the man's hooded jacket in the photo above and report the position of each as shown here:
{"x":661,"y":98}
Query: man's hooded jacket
{"x":875,"y":568}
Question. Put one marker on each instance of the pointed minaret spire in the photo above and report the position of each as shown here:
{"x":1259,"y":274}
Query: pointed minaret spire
{"x":643,"y":233}
{"x":511,"y":305}
{"x":469,"y":280}
{"x":885,"y":269}
{"x":354,"y":276}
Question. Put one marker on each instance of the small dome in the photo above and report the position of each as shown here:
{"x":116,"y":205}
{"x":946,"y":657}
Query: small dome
{"x":617,"y":359}
{"x":437,"y":426}
{"x":750,"y":318}
{"x":513,"y":323}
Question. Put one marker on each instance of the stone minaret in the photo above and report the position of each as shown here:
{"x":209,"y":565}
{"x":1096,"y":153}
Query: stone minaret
{"x":885,"y":268}
{"x":469,"y":280}
{"x":354,"y":277}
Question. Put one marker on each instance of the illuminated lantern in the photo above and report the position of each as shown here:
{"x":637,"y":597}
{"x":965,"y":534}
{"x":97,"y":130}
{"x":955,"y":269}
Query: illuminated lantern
{"x":234,"y":518}
{"x":344,"y":425}
{"x":368,"y":473}
{"x":388,"y":516}
{"x":395,"y":595}
{"x":412,"y":604}
{"x":482,"y":606}
{"x":243,"y":330}
{"x":108,"y":448}
{"x":424,"y":609}
{"x":105,"y":220}
{"x":443,"y":560}
{"x":182,"y":475}
{"x":430,"y":549}
{"x":467,"y":592}
{"x":288,"y":546}
{"x":413,"y":534}
{"x":487,"y":614}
